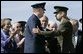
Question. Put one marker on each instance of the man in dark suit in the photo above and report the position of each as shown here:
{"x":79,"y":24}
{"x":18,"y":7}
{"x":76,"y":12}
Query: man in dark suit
{"x":51,"y":42}
{"x":34,"y":43}
{"x":65,"y":29}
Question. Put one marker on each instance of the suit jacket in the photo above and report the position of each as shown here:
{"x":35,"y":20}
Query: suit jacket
{"x":34,"y":43}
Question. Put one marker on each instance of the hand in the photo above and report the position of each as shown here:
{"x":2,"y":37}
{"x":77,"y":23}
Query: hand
{"x":20,"y":33}
{"x":52,"y":29}
{"x":36,"y":30}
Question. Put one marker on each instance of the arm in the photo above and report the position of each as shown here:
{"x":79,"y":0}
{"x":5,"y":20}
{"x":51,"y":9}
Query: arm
{"x":33,"y":24}
{"x":21,"y":42}
{"x":63,"y":29}
{"x":45,"y":33}
{"x":3,"y":40}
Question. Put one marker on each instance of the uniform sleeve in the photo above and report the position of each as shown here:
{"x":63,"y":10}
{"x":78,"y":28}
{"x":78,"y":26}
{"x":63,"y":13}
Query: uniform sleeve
{"x":47,"y":33}
{"x":63,"y":29}
{"x":32,"y":25}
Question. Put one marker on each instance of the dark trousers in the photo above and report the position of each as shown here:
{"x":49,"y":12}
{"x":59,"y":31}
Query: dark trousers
{"x":68,"y":48}
{"x":53,"y":45}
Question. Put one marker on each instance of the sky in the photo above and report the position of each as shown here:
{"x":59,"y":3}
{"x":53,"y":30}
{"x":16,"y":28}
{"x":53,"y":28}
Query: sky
{"x":22,"y":10}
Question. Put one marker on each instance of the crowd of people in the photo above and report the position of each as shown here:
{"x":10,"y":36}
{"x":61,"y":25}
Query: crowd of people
{"x":37,"y":35}
{"x":12,"y":39}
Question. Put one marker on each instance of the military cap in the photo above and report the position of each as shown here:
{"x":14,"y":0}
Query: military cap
{"x":80,"y":20}
{"x":22,"y":23}
{"x":39,"y":5}
{"x":60,"y":8}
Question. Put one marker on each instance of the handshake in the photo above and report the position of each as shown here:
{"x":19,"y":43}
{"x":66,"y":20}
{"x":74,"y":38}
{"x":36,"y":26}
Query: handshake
{"x":38,"y":31}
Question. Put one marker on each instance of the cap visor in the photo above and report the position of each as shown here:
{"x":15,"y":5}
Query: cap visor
{"x":55,"y":12}
{"x":44,"y":9}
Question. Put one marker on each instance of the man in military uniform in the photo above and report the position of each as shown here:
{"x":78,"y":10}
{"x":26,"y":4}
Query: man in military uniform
{"x":34,"y":43}
{"x":65,"y":29}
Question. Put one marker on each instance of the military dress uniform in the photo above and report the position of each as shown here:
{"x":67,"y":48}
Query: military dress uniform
{"x":34,"y":43}
{"x":65,"y":30}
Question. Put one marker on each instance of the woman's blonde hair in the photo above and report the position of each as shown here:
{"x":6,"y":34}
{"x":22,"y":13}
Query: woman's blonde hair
{"x":3,"y":21}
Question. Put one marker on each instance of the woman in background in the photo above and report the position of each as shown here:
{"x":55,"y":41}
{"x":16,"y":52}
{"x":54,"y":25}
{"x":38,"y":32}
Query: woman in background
{"x":8,"y":45}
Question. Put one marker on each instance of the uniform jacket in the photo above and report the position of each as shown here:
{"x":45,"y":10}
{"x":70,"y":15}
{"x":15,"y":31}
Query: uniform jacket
{"x":34,"y":43}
